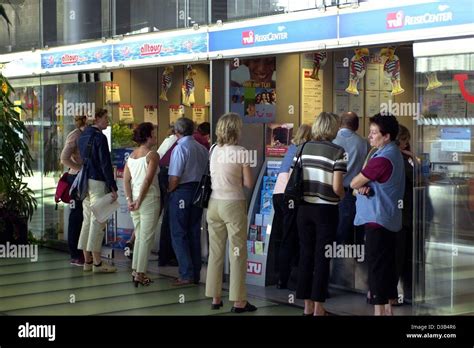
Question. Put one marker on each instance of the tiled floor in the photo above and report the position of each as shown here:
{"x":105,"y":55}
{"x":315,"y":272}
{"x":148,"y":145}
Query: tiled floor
{"x":51,"y":286}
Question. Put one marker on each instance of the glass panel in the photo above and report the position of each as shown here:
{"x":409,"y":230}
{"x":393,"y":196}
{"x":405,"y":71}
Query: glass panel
{"x":228,"y":10}
{"x":30,"y":98}
{"x":144,"y":16}
{"x":49,"y":117}
{"x":72,"y":21}
{"x":61,"y":103}
{"x":23,"y":32}
{"x":444,"y":273}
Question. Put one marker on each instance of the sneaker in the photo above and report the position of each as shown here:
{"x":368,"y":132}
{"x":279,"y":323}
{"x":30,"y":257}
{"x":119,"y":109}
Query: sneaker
{"x":77,"y":262}
{"x":87,"y":267}
{"x":104,"y":268}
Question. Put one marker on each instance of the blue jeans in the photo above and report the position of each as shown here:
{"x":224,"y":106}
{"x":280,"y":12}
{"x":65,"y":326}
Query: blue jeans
{"x":185,"y":223}
{"x":347,"y":233}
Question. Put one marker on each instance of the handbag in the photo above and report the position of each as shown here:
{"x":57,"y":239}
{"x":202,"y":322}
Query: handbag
{"x":80,"y":187}
{"x":62,"y":190}
{"x":203,"y":192}
{"x":294,"y":189}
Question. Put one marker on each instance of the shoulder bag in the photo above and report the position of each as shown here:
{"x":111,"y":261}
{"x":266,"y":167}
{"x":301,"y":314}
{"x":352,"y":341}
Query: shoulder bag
{"x":79,"y":187}
{"x":294,"y":189}
{"x":203,"y":192}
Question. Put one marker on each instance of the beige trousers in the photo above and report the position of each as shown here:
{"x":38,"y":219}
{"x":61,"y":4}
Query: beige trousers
{"x":92,"y":232}
{"x":145,"y":222}
{"x":227,"y":219}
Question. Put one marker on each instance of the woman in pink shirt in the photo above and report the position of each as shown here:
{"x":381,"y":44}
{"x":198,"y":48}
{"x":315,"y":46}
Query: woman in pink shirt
{"x":227,"y":214}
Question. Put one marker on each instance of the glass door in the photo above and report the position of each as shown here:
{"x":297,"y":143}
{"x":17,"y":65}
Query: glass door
{"x":444,"y":193}
{"x":50,"y":104}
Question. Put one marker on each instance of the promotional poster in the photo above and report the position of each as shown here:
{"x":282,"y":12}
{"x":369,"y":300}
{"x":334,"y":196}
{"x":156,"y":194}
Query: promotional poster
{"x":253,"y":90}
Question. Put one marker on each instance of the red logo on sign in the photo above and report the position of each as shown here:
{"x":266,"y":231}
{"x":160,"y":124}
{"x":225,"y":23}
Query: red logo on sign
{"x":150,"y":49}
{"x":461,"y":78}
{"x":248,"y":37}
{"x":254,"y":268}
{"x":70,"y":58}
{"x":395,"y":20}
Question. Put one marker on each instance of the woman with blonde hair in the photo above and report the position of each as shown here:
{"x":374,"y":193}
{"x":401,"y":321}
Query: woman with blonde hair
{"x":324,"y":165}
{"x":284,"y":223}
{"x":71,"y":158}
{"x":143,"y":197}
{"x":227,"y":214}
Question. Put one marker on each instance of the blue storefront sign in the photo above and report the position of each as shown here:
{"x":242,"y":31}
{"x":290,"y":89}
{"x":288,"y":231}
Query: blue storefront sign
{"x":166,"y":47}
{"x":77,"y":57}
{"x":313,"y":29}
{"x":406,"y":18}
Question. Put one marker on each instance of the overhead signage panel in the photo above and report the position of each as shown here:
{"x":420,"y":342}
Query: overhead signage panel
{"x":20,"y":64}
{"x":407,"y":18}
{"x":314,"y":29}
{"x":76,"y":57}
{"x":161,"y":47}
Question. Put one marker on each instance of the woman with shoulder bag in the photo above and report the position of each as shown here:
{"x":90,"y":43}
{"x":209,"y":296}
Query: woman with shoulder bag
{"x":227,"y":214}
{"x":284,"y":219}
{"x":70,"y":157}
{"x":323,"y":165}
{"x":99,"y":174}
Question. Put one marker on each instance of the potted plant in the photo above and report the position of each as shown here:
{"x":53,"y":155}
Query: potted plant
{"x":17,"y":201}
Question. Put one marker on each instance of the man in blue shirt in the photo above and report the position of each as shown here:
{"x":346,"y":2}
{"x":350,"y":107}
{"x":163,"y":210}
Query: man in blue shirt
{"x":356,"y":150}
{"x":187,"y":165}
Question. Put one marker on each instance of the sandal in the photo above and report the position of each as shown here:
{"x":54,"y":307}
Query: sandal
{"x":142,"y":279}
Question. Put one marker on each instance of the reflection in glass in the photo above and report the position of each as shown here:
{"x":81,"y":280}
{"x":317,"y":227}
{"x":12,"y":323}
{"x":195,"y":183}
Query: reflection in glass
{"x":444,"y":253}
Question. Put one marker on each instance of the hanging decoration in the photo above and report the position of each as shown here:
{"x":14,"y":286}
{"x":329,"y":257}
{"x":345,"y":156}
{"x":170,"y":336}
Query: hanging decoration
{"x":166,"y":82}
{"x":357,"y":68}
{"x":319,"y":60}
{"x":391,"y":69}
{"x":433,"y":81}
{"x":188,"y":88}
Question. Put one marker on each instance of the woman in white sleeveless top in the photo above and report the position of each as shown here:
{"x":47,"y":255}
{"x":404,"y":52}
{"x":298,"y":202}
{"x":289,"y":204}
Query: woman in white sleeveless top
{"x":143,"y":197}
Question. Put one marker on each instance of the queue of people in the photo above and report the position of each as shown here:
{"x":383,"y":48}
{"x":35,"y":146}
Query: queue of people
{"x":343,"y":200}
{"x":352,"y":194}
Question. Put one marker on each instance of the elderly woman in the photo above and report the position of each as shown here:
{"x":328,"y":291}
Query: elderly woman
{"x":71,"y":158}
{"x":93,"y":146}
{"x":142,"y":191}
{"x":227,"y":214}
{"x":324,"y":165}
{"x":381,"y":186}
